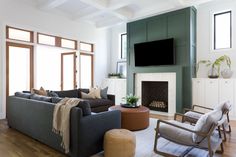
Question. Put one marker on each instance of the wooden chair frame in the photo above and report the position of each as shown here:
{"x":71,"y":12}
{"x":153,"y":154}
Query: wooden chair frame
{"x":204,"y":135}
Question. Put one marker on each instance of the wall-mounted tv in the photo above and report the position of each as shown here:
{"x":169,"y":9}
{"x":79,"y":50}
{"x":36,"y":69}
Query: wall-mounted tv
{"x":159,"y":52}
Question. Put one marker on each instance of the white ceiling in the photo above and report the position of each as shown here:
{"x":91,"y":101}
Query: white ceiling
{"x":107,"y":13}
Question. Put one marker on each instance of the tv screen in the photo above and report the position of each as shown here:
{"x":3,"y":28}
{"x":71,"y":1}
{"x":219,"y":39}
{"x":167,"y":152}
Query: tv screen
{"x":159,"y":52}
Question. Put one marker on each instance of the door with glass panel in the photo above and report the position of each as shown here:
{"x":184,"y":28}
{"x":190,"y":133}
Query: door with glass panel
{"x":86,"y":70}
{"x":19,"y":67}
{"x":68,"y":71}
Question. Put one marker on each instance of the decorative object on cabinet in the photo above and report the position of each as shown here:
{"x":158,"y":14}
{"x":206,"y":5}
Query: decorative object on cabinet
{"x":214,"y":71}
{"x":114,"y":75}
{"x":121,"y":68}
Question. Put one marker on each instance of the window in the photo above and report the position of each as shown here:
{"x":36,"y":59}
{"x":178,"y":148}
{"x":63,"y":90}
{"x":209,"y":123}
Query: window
{"x":19,"y":34}
{"x":46,"y":39}
{"x":67,"y":43}
{"x":86,"y":47}
{"x":123,"y":46}
{"x":86,"y":65}
{"x":222,"y":30}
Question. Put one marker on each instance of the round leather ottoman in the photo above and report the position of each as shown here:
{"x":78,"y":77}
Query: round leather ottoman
{"x":119,"y":143}
{"x":133,"y":118}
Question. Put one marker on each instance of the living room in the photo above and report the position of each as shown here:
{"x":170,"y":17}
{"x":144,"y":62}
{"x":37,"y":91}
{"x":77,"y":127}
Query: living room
{"x":77,"y":44}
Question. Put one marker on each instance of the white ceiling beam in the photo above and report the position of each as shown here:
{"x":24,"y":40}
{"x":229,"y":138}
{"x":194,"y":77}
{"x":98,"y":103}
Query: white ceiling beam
{"x":88,"y":15}
{"x":108,"y":23}
{"x":178,"y":3}
{"x":51,"y":4}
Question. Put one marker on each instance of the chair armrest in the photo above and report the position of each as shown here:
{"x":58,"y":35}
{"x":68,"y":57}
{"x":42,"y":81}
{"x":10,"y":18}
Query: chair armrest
{"x":112,"y":98}
{"x":92,"y":130}
{"x":202,"y":107}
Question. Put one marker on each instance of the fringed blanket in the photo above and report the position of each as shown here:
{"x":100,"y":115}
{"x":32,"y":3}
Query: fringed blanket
{"x":61,"y":120}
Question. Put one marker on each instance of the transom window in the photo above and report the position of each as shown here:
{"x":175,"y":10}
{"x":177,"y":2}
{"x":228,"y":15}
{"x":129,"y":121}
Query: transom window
{"x":223,"y":30}
{"x":19,"y":34}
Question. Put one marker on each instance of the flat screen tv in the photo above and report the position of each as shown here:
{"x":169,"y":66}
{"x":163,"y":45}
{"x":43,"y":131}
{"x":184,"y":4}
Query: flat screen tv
{"x":159,"y":52}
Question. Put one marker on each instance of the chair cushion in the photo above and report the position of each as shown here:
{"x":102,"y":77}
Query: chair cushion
{"x":176,"y":134}
{"x":205,"y":123}
{"x":194,"y":116}
{"x":224,"y":106}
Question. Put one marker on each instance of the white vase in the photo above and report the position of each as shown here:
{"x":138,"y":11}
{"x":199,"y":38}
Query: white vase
{"x":227,"y":73}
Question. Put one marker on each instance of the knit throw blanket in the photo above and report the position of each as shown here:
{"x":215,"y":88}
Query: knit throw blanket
{"x":61,"y":120}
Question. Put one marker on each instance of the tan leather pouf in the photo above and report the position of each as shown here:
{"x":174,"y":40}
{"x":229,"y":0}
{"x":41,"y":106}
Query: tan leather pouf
{"x":119,"y":143}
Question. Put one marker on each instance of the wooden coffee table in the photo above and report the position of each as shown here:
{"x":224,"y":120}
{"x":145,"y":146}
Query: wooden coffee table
{"x":133,"y":118}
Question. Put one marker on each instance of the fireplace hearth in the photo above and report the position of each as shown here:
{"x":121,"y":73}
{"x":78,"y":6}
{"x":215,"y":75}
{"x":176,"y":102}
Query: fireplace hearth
{"x":155,"y":95}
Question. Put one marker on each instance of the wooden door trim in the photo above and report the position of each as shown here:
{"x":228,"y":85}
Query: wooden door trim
{"x":74,"y":58}
{"x":8,"y":44}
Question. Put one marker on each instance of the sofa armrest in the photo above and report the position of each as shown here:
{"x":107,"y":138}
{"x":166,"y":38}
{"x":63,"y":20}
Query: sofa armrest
{"x":92,"y":130}
{"x":112,"y":98}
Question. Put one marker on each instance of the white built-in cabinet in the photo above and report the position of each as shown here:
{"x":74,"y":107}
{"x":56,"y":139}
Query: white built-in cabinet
{"x":210,"y":92}
{"x":116,"y":87}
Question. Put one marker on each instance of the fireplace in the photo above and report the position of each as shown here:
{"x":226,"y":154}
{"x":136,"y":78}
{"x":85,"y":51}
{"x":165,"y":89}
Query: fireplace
{"x":155,"y":95}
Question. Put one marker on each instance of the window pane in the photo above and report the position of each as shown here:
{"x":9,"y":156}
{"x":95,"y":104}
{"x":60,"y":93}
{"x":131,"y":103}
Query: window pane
{"x":123,"y":46}
{"x":47,"y":40}
{"x":86,"y":71}
{"x":222,"y":30}
{"x":19,"y":69}
{"x":18,"y":34}
{"x":68,"y":43}
{"x":86,"y":47}
{"x":68,"y":71}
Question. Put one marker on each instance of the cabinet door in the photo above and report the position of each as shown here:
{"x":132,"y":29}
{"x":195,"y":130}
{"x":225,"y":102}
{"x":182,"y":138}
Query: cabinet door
{"x":198,"y":89}
{"x":211,"y":92}
{"x":226,"y":92}
{"x":120,"y":90}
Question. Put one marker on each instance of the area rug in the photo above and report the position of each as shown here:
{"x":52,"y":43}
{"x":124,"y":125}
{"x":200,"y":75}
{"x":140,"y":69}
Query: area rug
{"x":145,"y":143}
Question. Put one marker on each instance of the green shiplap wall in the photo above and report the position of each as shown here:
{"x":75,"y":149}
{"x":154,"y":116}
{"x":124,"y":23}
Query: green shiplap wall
{"x":180,"y":25}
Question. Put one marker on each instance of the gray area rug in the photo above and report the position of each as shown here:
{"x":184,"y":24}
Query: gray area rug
{"x":145,"y":142}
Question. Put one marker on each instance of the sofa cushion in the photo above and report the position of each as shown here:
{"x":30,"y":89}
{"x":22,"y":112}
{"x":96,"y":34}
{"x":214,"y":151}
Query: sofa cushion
{"x":41,"y":91}
{"x":56,"y":99}
{"x":23,"y":95}
{"x":177,"y":134}
{"x":205,"y":122}
{"x":99,"y":102}
{"x":104,"y":93}
{"x":82,"y":90}
{"x":40,"y":98}
{"x":52,"y":94}
{"x":68,"y":93}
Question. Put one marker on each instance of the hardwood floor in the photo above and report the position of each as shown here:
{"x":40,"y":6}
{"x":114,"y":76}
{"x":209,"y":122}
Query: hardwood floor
{"x":15,"y":144}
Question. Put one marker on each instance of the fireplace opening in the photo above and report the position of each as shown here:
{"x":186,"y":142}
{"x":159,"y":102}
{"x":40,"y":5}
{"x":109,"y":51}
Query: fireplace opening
{"x":155,"y":95}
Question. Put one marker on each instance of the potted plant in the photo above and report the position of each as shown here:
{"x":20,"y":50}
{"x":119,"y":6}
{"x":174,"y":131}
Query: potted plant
{"x":214,"y":71}
{"x":131,"y":100}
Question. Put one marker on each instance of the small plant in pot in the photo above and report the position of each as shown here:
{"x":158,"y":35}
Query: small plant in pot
{"x":131,"y":100}
{"x":214,"y":71}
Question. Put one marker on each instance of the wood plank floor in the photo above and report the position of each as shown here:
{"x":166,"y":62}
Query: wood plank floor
{"x":15,"y":144}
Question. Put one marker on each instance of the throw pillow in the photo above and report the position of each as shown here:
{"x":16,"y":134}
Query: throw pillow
{"x":104,"y":93}
{"x":96,"y":92}
{"x":87,"y":96}
{"x":52,"y":94}
{"x":41,"y":91}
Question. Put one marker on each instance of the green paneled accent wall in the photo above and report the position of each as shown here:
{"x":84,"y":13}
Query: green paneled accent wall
{"x":180,"y":25}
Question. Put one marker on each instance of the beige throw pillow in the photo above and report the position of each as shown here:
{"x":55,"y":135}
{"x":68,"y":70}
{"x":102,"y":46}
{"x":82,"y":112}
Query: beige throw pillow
{"x":41,"y":91}
{"x":96,"y":92}
{"x":87,"y":96}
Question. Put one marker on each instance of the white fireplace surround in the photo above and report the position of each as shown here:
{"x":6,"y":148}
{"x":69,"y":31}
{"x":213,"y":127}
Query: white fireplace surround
{"x":168,"y":77}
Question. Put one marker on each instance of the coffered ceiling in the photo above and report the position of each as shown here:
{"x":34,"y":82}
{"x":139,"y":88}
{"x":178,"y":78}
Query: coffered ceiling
{"x":107,"y":13}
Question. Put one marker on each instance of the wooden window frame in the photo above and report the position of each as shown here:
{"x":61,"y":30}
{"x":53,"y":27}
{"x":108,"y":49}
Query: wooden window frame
{"x":92,"y":47}
{"x":57,"y":41}
{"x":92,"y":67}
{"x":75,"y":71}
{"x":31,"y":34}
{"x":8,"y":44}
{"x":225,"y":12}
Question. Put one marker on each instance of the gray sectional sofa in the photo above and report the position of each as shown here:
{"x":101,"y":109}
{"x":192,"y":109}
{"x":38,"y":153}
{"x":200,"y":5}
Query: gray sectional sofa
{"x":33,"y":116}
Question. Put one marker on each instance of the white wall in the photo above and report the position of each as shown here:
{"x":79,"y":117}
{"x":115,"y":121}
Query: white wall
{"x":15,"y":14}
{"x":204,"y":33}
{"x":115,"y":45}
